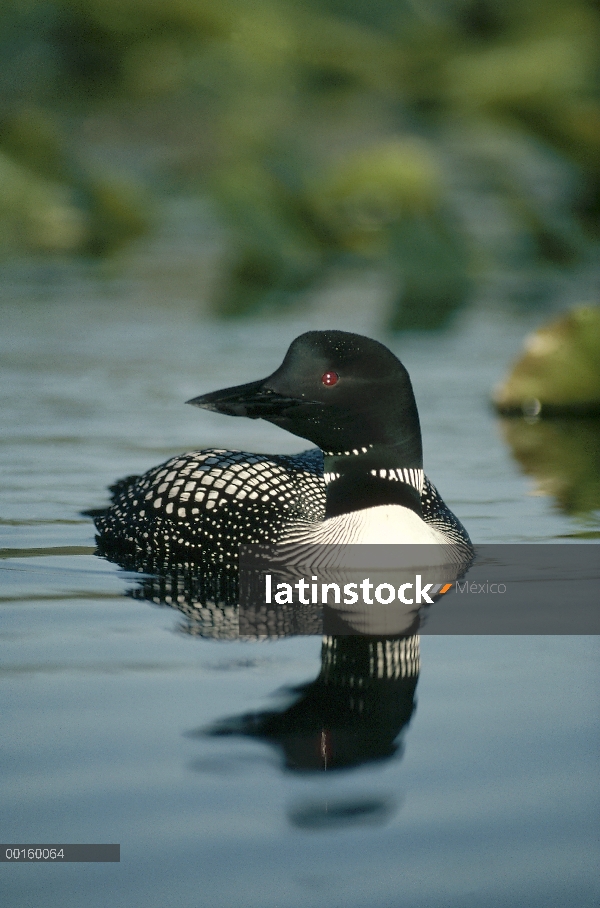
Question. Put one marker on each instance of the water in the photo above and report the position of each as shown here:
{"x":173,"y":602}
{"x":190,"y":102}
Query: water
{"x":488,"y":795}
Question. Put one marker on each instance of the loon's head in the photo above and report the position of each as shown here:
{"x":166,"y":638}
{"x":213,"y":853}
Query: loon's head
{"x":346,"y":393}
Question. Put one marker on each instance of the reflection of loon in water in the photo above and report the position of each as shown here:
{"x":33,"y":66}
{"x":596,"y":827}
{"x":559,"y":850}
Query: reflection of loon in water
{"x":353,"y":713}
{"x":346,"y":393}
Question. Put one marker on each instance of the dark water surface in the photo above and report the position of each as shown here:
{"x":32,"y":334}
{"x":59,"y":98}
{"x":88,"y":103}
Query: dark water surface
{"x":489,"y":797}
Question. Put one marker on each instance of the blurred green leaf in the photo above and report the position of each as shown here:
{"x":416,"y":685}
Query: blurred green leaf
{"x":434,"y":272}
{"x":559,"y":370}
{"x":37,"y":214}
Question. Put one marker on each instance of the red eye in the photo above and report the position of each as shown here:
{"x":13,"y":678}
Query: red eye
{"x":330,"y":378}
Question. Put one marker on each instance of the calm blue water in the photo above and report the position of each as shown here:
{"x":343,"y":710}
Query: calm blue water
{"x":489,"y":796}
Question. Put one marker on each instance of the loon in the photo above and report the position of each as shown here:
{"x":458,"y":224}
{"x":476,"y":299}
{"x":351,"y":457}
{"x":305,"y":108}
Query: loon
{"x":364,"y":483}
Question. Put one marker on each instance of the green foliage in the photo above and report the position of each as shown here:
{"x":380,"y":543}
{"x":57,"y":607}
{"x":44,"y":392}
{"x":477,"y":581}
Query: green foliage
{"x":274,"y":253}
{"x":51,"y":203}
{"x":559,"y":370}
{"x":323,"y":128}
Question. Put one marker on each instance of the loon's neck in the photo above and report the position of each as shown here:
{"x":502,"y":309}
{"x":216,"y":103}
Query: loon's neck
{"x":369,"y":477}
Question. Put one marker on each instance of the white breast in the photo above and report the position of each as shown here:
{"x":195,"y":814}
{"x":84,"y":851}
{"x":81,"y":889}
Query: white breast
{"x":384,"y":525}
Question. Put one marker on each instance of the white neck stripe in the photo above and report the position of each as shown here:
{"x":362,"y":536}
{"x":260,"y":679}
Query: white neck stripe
{"x":411,"y":476}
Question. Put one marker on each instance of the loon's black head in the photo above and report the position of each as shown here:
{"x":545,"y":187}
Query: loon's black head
{"x":344,"y":392}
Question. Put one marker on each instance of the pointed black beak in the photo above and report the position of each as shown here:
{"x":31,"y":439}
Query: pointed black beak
{"x":253,"y":400}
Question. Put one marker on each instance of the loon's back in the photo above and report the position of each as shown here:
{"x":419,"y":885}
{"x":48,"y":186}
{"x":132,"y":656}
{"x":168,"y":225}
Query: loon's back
{"x":205,"y":504}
